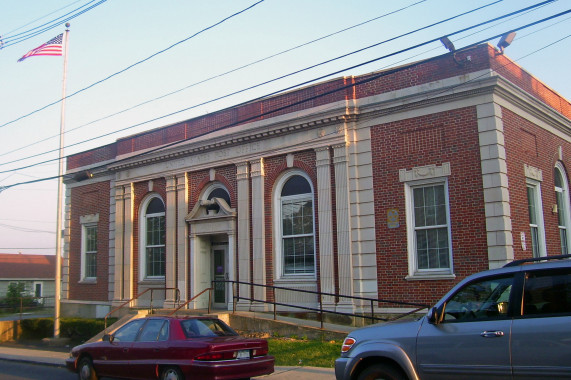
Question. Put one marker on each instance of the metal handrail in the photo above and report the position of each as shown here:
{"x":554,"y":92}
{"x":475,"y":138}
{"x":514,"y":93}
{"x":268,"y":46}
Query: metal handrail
{"x":192,"y":299}
{"x":372,"y":317}
{"x":177,"y":299}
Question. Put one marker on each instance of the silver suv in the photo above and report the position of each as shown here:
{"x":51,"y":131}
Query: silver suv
{"x":507,"y":323}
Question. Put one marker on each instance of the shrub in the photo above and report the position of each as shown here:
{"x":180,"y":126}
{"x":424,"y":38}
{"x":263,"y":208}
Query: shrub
{"x":77,"y":329}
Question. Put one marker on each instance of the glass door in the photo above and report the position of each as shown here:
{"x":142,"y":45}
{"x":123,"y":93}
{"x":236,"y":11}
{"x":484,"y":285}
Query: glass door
{"x":220,"y":274}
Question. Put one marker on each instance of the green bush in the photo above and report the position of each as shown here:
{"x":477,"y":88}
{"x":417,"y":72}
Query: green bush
{"x":77,"y":329}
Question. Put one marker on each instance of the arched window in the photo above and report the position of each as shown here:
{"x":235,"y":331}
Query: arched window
{"x":216,"y":190}
{"x":153,"y":241}
{"x":296,"y":231}
{"x":562,"y":198}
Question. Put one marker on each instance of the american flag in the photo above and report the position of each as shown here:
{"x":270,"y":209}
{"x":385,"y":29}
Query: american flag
{"x":52,"y":47}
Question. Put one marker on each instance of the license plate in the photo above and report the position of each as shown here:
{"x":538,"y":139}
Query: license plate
{"x":243,"y":354}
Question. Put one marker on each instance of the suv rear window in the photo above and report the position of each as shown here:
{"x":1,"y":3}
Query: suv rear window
{"x":547,"y":293}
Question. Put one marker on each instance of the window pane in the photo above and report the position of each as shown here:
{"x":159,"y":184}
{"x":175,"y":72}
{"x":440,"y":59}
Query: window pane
{"x":561,"y":211}
{"x":531,"y":205}
{"x":547,"y":293}
{"x":220,"y":193}
{"x":128,"y":333}
{"x":299,"y":257}
{"x":156,"y":261}
{"x":482,"y":300}
{"x":430,"y":214}
{"x":151,"y":330}
{"x":296,"y":185}
{"x":156,"y":206}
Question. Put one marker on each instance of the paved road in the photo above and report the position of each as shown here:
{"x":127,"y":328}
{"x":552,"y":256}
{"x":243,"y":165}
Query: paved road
{"x":10,"y":370}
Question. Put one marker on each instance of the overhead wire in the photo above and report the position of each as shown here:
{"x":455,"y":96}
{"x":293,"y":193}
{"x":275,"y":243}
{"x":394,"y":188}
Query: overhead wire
{"x":38,"y":19}
{"x":54,"y":23}
{"x":136,"y":63}
{"x":284,"y":76}
{"x":342,"y":88}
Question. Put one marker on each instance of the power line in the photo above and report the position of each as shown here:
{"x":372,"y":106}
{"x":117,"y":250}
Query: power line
{"x":136,"y":63}
{"x":282,"y":77}
{"x":343,"y":88}
{"x":54,"y":23}
{"x":215,"y":77}
{"x":38,"y":19}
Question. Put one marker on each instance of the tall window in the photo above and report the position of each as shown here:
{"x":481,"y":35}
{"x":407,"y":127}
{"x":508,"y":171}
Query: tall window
{"x":535,"y":218}
{"x":154,"y":238}
{"x":90,"y":251}
{"x":562,"y":198}
{"x":431,"y":227}
{"x":297,"y":226}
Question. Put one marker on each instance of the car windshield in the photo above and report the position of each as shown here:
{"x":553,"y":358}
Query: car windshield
{"x":205,"y":327}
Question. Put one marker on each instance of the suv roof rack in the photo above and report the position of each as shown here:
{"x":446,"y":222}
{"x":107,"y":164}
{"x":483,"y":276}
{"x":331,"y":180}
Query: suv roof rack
{"x":536,"y":259}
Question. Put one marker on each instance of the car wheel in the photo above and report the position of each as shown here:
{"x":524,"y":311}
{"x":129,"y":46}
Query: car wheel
{"x":85,"y":370}
{"x":381,"y":372}
{"x":172,"y":373}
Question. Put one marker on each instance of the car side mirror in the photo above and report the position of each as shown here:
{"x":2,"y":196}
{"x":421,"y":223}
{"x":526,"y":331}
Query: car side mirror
{"x":434,"y":315}
{"x":108,"y":338}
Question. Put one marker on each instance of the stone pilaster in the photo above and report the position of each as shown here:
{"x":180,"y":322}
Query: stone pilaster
{"x":243,"y":195}
{"x":119,"y":244}
{"x":340,"y":161}
{"x":258,"y":230}
{"x":170,"y":240}
{"x":181,"y":236}
{"x":325,"y":233}
{"x":495,"y":180}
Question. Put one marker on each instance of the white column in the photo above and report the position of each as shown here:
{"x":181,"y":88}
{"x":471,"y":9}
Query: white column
{"x":243,"y":196}
{"x":343,"y":227}
{"x":258,"y":231}
{"x":181,"y":236}
{"x":171,"y":242}
{"x":325,"y":233}
{"x":128,"y":270}
{"x":119,"y":245}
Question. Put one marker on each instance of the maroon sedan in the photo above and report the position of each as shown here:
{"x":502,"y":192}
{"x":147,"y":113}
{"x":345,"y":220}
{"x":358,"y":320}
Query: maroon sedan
{"x":172,"y":349}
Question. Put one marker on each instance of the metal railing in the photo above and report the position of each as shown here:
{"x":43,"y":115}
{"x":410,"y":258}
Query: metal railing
{"x":320,"y":295}
{"x":177,"y":300}
{"x":195,"y":297}
{"x":25,"y":304}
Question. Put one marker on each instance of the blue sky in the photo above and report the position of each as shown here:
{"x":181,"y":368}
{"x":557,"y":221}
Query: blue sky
{"x":119,"y":33}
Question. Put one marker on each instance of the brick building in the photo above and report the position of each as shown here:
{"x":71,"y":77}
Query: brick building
{"x":391,"y":185}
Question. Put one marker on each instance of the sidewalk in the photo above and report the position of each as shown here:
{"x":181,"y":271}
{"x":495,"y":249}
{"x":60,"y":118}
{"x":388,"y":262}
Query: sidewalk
{"x":55,"y":358}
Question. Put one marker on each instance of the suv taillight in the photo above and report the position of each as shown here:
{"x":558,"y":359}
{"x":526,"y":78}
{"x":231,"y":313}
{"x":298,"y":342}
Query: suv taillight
{"x":347,"y":344}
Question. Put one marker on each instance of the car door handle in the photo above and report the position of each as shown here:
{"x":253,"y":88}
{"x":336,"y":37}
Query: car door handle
{"x":492,"y":334}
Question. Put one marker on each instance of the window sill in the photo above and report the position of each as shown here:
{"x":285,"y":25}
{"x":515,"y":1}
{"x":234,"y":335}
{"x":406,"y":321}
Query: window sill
{"x":430,"y":277}
{"x":152,"y":281}
{"x":90,"y":280}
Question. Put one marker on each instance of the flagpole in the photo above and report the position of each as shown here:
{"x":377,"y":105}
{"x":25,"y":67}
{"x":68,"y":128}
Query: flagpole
{"x":60,"y":192}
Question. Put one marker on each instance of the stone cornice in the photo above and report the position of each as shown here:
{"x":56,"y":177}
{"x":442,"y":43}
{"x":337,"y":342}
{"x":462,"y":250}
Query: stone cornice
{"x":187,"y":148}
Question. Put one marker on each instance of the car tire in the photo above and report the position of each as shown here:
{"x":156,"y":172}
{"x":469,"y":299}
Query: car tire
{"x":85,"y":370}
{"x":172,"y":373}
{"x":381,"y":372}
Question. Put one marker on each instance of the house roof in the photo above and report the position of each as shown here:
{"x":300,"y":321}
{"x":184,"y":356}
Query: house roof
{"x":19,"y":266}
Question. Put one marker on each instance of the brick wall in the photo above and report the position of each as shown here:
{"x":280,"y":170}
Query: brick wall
{"x":88,"y":200}
{"x":529,"y":144}
{"x":450,"y":136}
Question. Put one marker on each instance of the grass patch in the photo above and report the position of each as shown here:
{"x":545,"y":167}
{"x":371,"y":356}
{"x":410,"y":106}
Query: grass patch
{"x":310,"y":353}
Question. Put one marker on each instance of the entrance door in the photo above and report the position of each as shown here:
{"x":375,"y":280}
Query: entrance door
{"x":220,"y":273}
